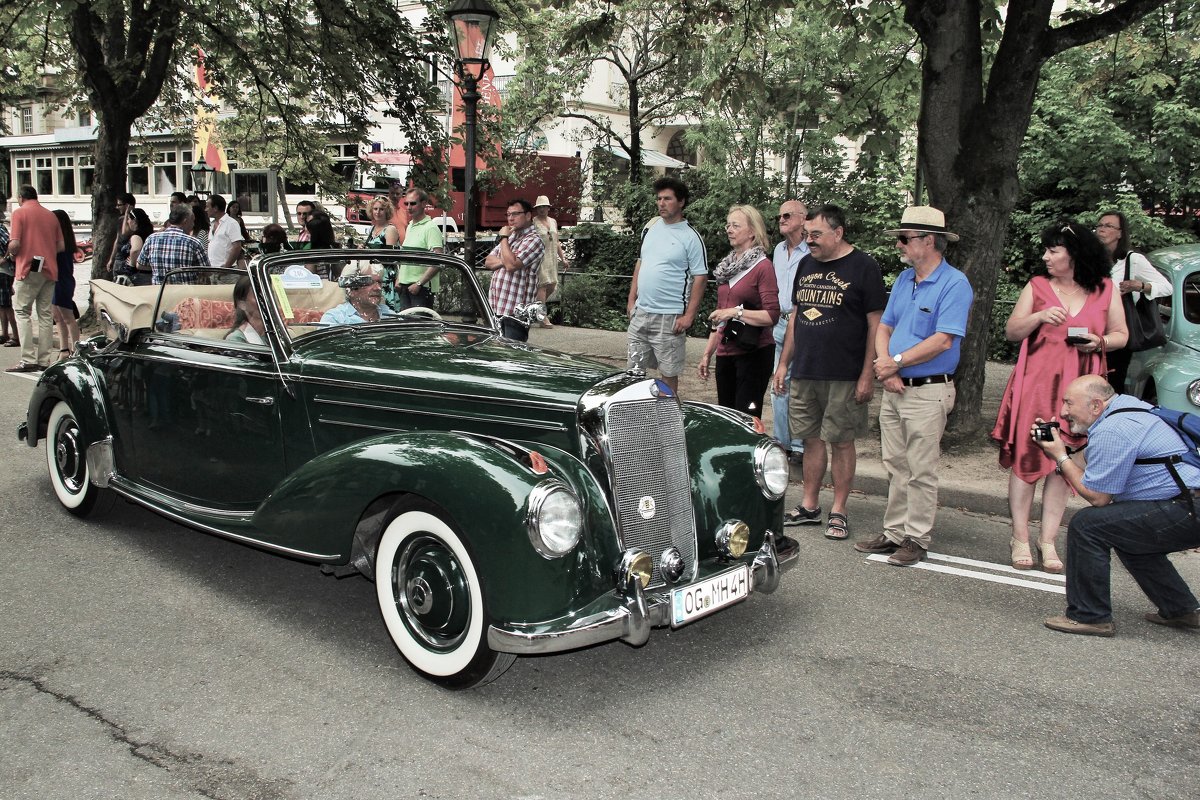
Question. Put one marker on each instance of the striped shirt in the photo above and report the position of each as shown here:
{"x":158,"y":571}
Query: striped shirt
{"x":1115,"y":441}
{"x":171,"y":249}
{"x":509,"y":289}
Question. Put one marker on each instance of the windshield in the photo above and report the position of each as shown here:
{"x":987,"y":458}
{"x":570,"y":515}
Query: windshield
{"x":317,"y":290}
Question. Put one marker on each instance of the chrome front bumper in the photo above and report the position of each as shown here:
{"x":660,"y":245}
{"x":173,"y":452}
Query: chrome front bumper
{"x":632,"y":620}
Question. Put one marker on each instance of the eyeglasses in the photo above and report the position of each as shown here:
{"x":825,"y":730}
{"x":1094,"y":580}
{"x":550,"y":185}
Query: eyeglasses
{"x":784,"y":217}
{"x":515,"y":213}
{"x":905,"y":238}
{"x":1108,"y":226}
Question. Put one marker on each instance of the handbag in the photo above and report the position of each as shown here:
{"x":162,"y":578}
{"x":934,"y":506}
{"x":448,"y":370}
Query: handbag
{"x":741,"y":334}
{"x":1142,"y":320}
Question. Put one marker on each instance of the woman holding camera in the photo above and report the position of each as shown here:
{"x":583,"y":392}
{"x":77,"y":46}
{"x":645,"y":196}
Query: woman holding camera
{"x":747,"y":309}
{"x":1066,"y":320}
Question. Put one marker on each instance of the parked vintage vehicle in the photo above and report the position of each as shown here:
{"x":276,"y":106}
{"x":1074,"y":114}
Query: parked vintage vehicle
{"x":506,"y":500}
{"x":1170,"y":375}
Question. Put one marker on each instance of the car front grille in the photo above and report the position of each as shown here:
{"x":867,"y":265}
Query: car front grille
{"x":650,"y":480}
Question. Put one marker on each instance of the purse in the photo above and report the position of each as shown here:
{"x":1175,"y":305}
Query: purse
{"x":1142,"y":320}
{"x":741,"y":334}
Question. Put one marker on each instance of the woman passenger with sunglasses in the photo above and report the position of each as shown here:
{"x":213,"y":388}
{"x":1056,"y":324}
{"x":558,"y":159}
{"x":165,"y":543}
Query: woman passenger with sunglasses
{"x":1066,"y":320}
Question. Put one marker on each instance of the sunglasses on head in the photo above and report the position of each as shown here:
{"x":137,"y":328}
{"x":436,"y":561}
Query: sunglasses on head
{"x":905,"y":238}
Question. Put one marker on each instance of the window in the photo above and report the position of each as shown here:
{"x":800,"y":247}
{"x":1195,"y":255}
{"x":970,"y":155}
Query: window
{"x":166,"y":172}
{"x":43,"y":175}
{"x":66,"y":174}
{"x":24,"y":172}
{"x":252,"y":191}
{"x":139,"y":176}
{"x":87,"y":174}
{"x":85,"y":118}
{"x":27,"y":120}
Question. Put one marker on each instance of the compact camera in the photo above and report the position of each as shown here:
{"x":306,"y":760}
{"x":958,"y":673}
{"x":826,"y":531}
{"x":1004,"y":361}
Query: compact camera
{"x":1043,"y":431}
{"x":36,"y":264}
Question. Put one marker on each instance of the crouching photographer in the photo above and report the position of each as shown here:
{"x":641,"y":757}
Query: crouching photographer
{"x":1143,"y":505}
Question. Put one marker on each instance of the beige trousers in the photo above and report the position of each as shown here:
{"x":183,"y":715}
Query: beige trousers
{"x":910,"y":429}
{"x":34,"y":289}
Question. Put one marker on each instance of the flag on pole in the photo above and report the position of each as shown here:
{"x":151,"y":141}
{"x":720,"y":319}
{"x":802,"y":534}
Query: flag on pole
{"x":208,"y":139}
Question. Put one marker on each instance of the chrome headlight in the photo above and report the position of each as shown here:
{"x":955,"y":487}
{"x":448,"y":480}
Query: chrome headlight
{"x":555,"y":519}
{"x":1193,"y":392}
{"x":771,"y":469}
{"x":732,"y":538}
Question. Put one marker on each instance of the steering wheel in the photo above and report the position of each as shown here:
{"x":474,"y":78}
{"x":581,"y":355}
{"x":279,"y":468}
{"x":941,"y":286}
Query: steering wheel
{"x":419,"y":311}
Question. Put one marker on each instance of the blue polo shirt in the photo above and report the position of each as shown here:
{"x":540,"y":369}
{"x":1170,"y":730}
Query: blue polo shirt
{"x":785,"y":271}
{"x":916,"y":311}
{"x":1115,"y":441}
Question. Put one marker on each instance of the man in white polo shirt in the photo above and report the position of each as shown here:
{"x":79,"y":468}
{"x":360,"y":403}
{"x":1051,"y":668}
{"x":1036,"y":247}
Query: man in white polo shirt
{"x":224,"y":235}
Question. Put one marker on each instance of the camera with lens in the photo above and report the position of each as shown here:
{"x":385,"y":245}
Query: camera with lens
{"x":1043,"y":431}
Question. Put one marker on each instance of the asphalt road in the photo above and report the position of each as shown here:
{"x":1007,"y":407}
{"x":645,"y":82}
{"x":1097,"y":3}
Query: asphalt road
{"x":139,"y":659}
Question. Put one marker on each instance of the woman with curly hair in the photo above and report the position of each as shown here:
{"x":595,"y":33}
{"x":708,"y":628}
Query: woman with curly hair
{"x":1066,"y":320}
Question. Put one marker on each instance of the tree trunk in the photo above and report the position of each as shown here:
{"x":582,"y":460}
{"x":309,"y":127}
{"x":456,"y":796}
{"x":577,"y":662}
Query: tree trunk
{"x":635,"y":134}
{"x":112,"y":156}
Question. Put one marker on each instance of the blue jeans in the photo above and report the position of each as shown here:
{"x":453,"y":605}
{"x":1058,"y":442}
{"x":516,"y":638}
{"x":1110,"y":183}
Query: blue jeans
{"x":779,"y":402}
{"x":1142,"y":532}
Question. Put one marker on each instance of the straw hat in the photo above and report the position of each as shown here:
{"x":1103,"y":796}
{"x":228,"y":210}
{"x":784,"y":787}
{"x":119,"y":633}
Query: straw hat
{"x":923,"y":219}
{"x":542,"y":200}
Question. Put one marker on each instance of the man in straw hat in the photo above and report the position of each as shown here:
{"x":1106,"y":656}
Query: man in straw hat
{"x":547,"y":228}
{"x":917,"y":350}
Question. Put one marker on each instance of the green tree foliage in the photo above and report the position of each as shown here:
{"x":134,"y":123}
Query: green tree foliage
{"x":297,"y":74}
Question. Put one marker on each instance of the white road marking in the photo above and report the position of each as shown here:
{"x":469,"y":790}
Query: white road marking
{"x":970,"y":562}
{"x":981,"y":576}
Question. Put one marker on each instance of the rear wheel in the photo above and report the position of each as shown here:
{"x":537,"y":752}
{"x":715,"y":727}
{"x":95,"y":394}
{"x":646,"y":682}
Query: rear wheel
{"x":431,"y":599}
{"x":66,"y":460}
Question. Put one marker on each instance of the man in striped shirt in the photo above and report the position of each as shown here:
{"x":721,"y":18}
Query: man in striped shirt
{"x":514,"y":264}
{"x":1143,"y":511}
{"x":173,"y":248}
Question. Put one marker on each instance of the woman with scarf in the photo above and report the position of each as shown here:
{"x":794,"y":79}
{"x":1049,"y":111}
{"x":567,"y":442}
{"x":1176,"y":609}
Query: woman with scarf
{"x":747,"y":309}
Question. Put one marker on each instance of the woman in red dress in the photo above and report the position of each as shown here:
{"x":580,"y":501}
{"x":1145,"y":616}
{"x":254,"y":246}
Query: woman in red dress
{"x":1065,"y":321}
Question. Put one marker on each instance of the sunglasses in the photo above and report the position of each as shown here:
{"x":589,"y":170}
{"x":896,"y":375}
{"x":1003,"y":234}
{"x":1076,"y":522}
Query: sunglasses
{"x":784,"y":217}
{"x":411,"y":204}
{"x":903,"y":238}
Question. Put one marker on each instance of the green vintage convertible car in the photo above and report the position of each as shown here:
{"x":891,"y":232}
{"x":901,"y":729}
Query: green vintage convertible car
{"x":505,"y":499}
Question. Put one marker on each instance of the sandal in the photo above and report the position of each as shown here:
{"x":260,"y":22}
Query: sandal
{"x":1022,"y":557}
{"x":1050,"y":561}
{"x":838,"y":526}
{"x":64,"y":354}
{"x":12,"y":343}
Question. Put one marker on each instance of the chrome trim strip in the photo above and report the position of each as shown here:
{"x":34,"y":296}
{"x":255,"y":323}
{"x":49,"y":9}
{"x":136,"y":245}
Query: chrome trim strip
{"x":442,"y":414}
{"x":177,"y":361}
{"x":101,"y":463}
{"x":128,"y":493}
{"x":434,"y":393}
{"x":632,"y":620}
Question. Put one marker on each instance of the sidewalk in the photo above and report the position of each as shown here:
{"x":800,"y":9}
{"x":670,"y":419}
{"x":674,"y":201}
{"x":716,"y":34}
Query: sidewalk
{"x":971,"y":480}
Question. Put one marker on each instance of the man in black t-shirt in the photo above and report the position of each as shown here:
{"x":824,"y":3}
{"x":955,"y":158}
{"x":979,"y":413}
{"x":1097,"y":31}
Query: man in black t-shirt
{"x":838,"y":298}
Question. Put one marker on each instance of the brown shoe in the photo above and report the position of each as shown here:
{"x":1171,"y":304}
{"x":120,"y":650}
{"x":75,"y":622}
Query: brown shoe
{"x":876,"y":544}
{"x":1188,"y":620}
{"x":910,"y":553}
{"x":1067,"y":625}
{"x":21,"y":366}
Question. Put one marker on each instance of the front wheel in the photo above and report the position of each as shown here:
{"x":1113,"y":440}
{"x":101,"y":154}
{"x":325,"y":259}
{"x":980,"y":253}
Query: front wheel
{"x":66,"y":459}
{"x":432,"y":601}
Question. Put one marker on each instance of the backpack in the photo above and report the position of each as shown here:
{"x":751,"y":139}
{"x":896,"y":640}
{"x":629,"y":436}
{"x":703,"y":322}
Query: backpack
{"x":1187,"y":427}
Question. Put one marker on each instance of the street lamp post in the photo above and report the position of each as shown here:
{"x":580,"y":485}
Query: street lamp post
{"x":472,"y":27}
{"x":201,"y":175}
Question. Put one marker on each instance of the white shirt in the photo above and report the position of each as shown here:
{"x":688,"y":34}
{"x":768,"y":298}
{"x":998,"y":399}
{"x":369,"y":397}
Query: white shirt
{"x":223,"y":234}
{"x":1141,"y":270}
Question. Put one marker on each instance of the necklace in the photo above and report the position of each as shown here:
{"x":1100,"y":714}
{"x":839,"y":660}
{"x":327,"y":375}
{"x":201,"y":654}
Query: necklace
{"x":1065,"y":293}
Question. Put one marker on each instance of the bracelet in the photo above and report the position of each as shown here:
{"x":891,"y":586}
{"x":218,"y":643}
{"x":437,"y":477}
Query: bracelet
{"x":1059,"y":462}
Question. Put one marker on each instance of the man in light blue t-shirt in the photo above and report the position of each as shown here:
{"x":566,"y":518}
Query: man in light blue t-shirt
{"x":667,"y":287}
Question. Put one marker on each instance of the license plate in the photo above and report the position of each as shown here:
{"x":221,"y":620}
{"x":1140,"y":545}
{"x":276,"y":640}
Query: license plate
{"x":709,"y":595}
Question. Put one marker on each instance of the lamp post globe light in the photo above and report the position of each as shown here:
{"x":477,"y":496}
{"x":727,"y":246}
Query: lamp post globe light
{"x":472,"y":28}
{"x":201,"y":176}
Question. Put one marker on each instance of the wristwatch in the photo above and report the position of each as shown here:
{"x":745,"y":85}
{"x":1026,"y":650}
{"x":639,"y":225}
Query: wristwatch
{"x":739,"y":313}
{"x":1059,"y":462}
{"x":899,"y":357}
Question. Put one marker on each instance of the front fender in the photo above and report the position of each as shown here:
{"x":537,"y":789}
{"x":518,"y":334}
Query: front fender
{"x":75,"y":382}
{"x":721,"y":461}
{"x":484,"y":491}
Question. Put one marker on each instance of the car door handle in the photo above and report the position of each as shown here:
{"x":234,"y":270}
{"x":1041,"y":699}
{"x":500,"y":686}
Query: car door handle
{"x":262,"y":401}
